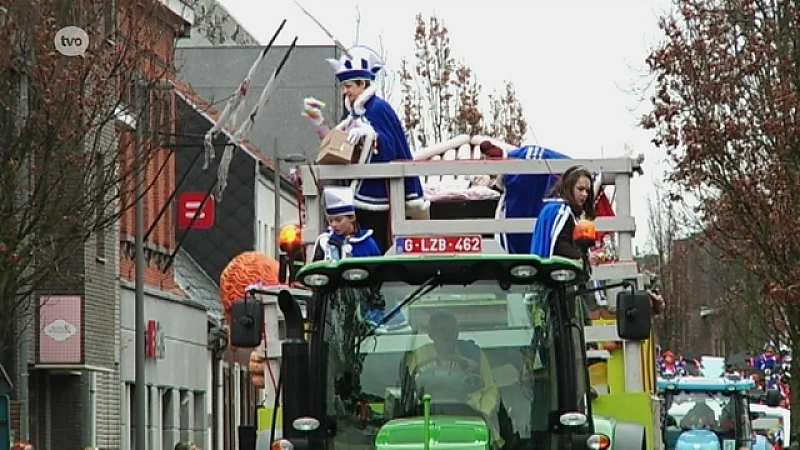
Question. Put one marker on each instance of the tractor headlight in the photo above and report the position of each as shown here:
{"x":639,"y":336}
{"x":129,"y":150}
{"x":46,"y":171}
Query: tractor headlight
{"x":573,"y":419}
{"x":563,"y":275}
{"x":356,"y":274}
{"x":524,"y":271}
{"x":316,"y":280}
{"x":305,"y":424}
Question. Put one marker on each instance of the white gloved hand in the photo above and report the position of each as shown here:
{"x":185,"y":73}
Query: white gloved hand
{"x":356,"y":134}
{"x":312,"y":108}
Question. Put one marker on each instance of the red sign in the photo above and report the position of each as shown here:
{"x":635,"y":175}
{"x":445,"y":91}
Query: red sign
{"x":189,"y":205}
{"x":439,"y":244}
{"x":154,"y":340}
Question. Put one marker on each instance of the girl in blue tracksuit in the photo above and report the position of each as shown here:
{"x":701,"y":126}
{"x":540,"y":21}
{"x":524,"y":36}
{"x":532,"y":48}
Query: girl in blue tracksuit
{"x":572,"y":198}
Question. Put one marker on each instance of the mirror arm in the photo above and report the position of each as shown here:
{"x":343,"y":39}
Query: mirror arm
{"x":625,"y":284}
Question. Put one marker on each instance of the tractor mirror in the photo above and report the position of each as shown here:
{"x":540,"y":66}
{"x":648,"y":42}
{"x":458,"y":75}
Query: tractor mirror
{"x":774,"y":398}
{"x":633,"y":315}
{"x":247,"y":323}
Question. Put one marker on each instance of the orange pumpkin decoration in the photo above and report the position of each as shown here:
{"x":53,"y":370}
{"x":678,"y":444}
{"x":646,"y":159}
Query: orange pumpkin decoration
{"x":256,"y":368}
{"x":610,"y":346}
{"x":244,"y":270}
{"x":257,"y":380}
{"x":256,"y":363}
{"x":585,"y":233}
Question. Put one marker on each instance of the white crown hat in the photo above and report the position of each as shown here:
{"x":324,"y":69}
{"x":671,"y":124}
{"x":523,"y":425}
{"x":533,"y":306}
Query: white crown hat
{"x":339,"y":201}
{"x":364,"y":65}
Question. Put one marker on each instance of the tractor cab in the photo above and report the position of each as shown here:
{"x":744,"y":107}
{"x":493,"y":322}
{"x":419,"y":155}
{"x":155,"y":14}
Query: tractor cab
{"x":488,"y":357}
{"x":708,"y":414}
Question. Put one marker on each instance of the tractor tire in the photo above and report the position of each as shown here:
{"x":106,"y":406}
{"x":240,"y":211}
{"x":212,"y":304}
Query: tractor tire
{"x":629,"y":436}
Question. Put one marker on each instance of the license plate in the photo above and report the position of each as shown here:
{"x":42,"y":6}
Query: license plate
{"x":439,"y":244}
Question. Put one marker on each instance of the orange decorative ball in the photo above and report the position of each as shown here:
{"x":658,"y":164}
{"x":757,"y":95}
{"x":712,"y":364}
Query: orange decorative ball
{"x":256,"y":363}
{"x":610,"y":346}
{"x":258,"y":381}
{"x":244,"y":270}
{"x":584,"y":233}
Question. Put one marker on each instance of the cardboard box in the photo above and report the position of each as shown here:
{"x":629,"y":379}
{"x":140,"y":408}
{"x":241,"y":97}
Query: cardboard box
{"x":335,"y":149}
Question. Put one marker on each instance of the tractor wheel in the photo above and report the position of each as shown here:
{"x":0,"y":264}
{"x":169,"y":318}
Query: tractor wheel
{"x":629,"y":436}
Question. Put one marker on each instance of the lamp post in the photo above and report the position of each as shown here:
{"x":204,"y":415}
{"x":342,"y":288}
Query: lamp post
{"x":276,"y":185}
{"x":140,"y":88}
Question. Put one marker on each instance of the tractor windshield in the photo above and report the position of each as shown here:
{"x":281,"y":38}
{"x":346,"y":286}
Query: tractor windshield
{"x":723,"y":414}
{"x":480,"y":351}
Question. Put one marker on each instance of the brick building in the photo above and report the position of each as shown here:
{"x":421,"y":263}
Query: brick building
{"x":77,"y":361}
{"x":177,"y":361}
{"x":694,"y":280}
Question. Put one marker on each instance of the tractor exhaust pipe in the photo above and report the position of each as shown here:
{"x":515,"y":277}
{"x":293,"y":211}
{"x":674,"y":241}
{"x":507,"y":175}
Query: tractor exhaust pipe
{"x":295,"y":366}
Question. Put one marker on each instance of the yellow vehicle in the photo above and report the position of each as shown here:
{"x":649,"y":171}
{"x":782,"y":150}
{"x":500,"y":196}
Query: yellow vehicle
{"x":622,"y":381}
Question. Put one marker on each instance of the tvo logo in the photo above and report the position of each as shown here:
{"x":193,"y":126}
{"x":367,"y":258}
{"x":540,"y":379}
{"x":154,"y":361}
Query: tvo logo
{"x":71,"y":41}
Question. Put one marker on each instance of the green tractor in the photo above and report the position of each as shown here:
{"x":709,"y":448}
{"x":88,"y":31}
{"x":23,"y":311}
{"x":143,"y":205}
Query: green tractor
{"x":473,"y":351}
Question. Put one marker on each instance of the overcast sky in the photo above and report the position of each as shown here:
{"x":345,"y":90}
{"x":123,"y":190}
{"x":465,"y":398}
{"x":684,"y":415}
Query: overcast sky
{"x":578,"y":65}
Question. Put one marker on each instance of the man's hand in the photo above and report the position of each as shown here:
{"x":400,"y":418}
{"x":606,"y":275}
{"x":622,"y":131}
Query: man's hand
{"x":312,"y":108}
{"x":356,"y":134}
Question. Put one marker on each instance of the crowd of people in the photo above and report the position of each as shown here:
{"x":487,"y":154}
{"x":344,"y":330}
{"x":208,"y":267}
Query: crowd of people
{"x":770,"y":369}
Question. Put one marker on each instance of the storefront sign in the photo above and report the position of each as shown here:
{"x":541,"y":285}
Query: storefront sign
{"x":60,"y":330}
{"x":155,"y":340}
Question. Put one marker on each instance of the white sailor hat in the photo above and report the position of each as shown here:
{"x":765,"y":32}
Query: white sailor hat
{"x":363,"y":64}
{"x":339,"y":201}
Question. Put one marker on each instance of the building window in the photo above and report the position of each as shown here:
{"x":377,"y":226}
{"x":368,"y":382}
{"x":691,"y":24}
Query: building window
{"x":132,"y":413}
{"x":161,"y":123}
{"x":199,"y":418}
{"x":185,"y":425}
{"x":228,"y":420}
{"x":259,"y":237}
{"x":270,"y":239}
{"x":167,"y":419}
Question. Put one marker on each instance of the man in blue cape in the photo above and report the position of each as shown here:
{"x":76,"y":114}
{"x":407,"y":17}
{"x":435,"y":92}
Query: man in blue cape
{"x":524,"y":194}
{"x":372,"y":122}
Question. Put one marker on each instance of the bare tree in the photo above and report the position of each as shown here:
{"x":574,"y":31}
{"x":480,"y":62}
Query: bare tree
{"x":357,"y":39}
{"x":727,"y":91}
{"x":445,"y":90}
{"x":217,"y":25}
{"x":429,"y":82}
{"x":507,"y":118}
{"x":440,"y":96}
{"x":663,"y":226}
{"x":386,"y":79}
{"x":61,"y":171}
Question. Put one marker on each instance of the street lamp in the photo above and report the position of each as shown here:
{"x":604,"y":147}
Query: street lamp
{"x":293,"y":158}
{"x":140,"y":88}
